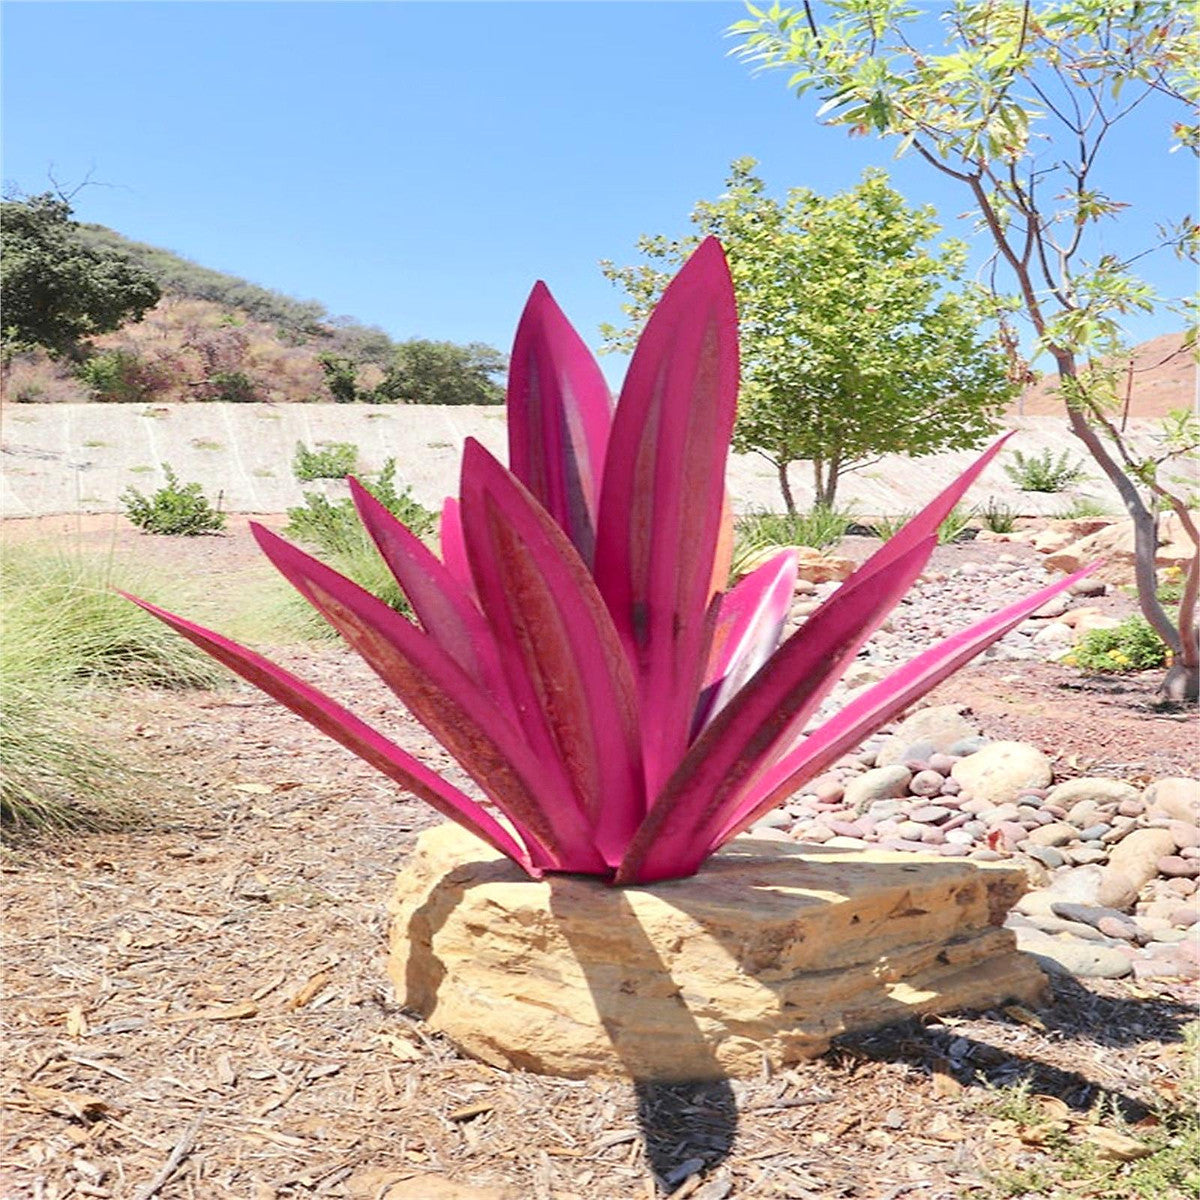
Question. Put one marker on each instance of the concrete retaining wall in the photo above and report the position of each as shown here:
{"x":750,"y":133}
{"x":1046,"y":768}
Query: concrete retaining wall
{"x":66,"y":458}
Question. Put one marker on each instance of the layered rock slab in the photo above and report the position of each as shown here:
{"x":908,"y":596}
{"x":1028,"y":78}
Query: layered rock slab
{"x":767,"y":954}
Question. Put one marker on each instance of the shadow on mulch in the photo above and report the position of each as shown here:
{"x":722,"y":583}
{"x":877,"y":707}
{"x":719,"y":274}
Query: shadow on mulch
{"x":1075,"y":1014}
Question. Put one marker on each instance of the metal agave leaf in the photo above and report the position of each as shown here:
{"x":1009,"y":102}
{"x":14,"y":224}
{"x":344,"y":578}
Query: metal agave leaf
{"x":574,"y":646}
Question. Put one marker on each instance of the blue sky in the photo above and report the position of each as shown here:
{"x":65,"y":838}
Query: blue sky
{"x":418,"y":165}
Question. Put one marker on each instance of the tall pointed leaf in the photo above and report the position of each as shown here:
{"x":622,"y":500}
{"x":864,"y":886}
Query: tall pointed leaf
{"x":559,"y":415}
{"x":454,"y":552}
{"x":660,"y":505}
{"x":574,"y":693}
{"x":750,"y":620}
{"x":440,"y":694}
{"x":446,"y":612}
{"x":697,"y":800}
{"x":345,"y":728}
{"x":878,"y":705}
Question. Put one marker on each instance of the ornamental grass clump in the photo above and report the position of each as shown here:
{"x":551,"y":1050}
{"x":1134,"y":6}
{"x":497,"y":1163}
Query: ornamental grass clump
{"x":574,"y":648}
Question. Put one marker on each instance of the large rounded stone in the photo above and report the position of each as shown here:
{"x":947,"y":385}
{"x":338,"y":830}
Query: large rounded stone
{"x":1178,"y":798}
{"x":1102,"y":792}
{"x":769,"y":952}
{"x":1003,"y":771}
{"x":942,"y":725}
{"x":1132,"y":863}
{"x":879,"y":783}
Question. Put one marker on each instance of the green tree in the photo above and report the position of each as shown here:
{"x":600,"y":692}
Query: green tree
{"x":58,"y":290}
{"x":426,"y":372}
{"x":1017,"y":106}
{"x":858,"y":337}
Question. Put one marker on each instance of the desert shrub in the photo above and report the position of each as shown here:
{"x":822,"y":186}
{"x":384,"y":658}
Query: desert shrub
{"x":887,"y":527}
{"x":1043,"y":472}
{"x":68,"y":632}
{"x":120,"y":377}
{"x":1130,"y":646}
{"x":176,"y":508}
{"x":997,"y":516}
{"x":334,"y":460}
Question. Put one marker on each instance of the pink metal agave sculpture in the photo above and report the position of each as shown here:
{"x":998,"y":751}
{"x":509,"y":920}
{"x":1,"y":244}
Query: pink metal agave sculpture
{"x":575,"y":649}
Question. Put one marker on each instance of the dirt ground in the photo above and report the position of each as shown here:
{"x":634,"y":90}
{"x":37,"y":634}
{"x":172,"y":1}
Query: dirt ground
{"x":198,"y":1006}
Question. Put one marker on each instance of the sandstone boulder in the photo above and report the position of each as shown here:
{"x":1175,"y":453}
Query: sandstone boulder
{"x":1002,"y":771}
{"x":769,"y":952}
{"x":1114,"y":544}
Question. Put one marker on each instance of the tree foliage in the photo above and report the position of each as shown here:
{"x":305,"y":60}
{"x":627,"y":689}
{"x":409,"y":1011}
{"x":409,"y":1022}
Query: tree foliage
{"x":57,"y":289}
{"x":430,"y":372}
{"x":1017,"y":105}
{"x":859,"y":337}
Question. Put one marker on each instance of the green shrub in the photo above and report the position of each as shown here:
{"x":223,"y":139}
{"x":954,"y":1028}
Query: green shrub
{"x":119,"y":377}
{"x":997,"y":517}
{"x":1130,"y":646}
{"x":174,"y":509}
{"x":1043,"y":472}
{"x":332,"y":528}
{"x":341,"y":377}
{"x":333,"y":460}
{"x":333,"y":525}
{"x":232,"y":387}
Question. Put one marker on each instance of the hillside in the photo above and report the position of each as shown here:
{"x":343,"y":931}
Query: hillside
{"x":1164,"y":378}
{"x":214,"y":336}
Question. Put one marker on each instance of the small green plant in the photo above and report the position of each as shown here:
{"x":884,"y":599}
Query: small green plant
{"x":332,"y":460}
{"x":1083,"y":507}
{"x":997,"y":517}
{"x":1043,"y":472}
{"x":176,"y":508}
{"x":887,"y":527}
{"x":205,"y":444}
{"x":1170,"y":585}
{"x":94,"y":443}
{"x":957,"y":526}
{"x":141,"y":469}
{"x":1130,"y":646}
{"x":819,"y":527}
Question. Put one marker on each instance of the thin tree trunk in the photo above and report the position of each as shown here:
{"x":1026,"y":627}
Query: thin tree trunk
{"x":785,"y":487}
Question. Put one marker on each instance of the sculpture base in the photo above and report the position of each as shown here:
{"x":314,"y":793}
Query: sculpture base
{"x":768,"y":953}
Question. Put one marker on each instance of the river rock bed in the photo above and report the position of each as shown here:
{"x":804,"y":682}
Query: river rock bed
{"x":1115,"y":867}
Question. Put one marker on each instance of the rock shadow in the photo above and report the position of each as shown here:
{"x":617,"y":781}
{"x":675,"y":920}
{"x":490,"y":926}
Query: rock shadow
{"x":686,"y":1125}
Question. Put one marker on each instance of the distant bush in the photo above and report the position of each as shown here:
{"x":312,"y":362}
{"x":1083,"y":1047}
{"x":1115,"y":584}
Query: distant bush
{"x":1043,"y":472}
{"x":427,"y":372}
{"x":335,"y":460}
{"x":174,"y":509}
{"x":233,"y":387}
{"x":341,"y":377}
{"x":120,"y":377}
{"x":1130,"y":646}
